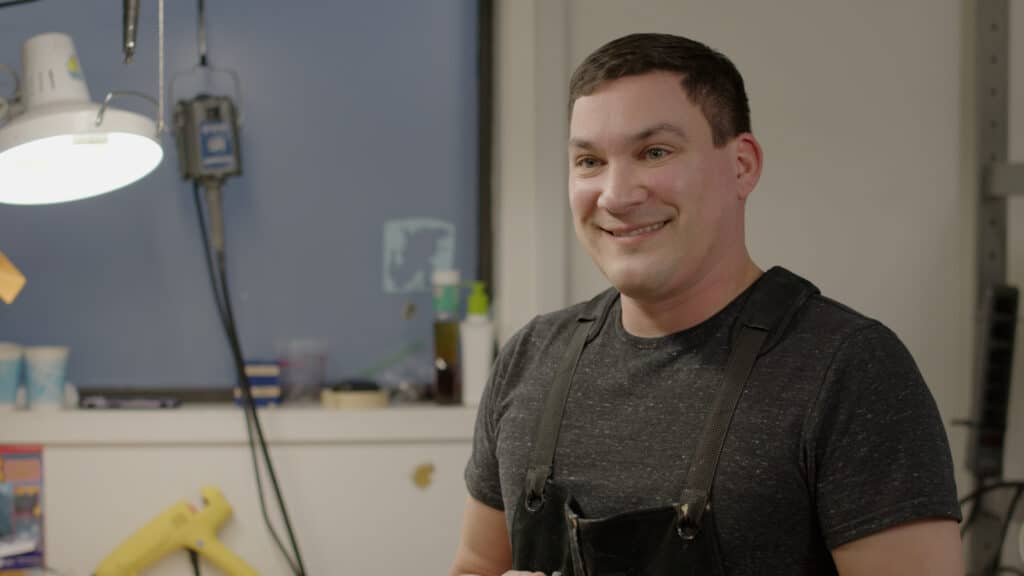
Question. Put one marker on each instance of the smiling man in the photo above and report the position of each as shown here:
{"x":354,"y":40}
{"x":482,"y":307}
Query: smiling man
{"x":701,"y":416}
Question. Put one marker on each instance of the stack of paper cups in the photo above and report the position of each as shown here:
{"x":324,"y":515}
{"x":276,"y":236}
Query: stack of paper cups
{"x":45,"y":368}
{"x":10,"y":374}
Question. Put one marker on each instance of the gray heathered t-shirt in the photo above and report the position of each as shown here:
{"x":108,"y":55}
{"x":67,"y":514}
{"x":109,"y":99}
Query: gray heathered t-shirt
{"x":836,"y":435}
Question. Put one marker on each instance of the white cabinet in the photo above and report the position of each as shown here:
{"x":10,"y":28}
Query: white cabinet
{"x":369,"y":492}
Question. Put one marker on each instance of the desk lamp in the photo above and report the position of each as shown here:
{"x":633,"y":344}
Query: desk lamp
{"x":57,"y":145}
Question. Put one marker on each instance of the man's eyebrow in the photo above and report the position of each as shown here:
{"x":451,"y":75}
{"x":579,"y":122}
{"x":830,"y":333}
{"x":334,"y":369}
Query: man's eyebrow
{"x":638,"y":137}
{"x":580,"y":143}
{"x":658,"y":128}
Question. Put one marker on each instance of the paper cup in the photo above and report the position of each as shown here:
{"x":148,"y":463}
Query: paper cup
{"x":303,"y":369}
{"x":10,"y":374}
{"x":45,"y":370}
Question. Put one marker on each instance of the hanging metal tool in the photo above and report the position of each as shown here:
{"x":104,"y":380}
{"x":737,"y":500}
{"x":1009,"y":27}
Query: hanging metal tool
{"x":131,"y":27}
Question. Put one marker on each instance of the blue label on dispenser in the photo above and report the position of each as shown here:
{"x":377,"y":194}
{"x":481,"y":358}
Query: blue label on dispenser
{"x":216,"y":148}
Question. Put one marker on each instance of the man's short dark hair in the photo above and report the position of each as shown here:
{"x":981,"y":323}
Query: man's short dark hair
{"x":710,"y":80}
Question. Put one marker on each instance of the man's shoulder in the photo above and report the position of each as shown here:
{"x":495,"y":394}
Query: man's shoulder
{"x":833,"y":325}
{"x":560,"y":323}
{"x":544,"y":337}
{"x":825,"y":312}
{"x":814,"y":318}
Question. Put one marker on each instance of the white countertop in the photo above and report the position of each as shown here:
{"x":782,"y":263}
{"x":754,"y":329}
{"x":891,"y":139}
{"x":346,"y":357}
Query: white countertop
{"x":225,"y":424}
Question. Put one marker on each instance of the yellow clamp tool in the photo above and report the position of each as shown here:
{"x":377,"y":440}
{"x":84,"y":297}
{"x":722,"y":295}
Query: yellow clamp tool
{"x":180,"y":526}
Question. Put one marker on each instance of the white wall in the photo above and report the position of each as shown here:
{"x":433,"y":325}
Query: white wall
{"x":531,"y":240}
{"x":865,"y":113}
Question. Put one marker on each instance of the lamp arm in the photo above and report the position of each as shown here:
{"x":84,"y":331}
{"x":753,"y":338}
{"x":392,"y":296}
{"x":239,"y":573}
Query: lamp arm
{"x":110,"y":96}
{"x":130,"y":25}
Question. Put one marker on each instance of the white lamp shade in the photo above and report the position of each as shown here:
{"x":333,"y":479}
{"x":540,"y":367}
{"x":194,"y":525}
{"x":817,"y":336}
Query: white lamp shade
{"x":55,"y":152}
{"x":52,"y":72}
{"x":59,"y":155}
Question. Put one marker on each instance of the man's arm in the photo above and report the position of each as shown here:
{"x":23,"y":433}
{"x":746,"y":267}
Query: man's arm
{"x":484,"y":548}
{"x":926,"y":547}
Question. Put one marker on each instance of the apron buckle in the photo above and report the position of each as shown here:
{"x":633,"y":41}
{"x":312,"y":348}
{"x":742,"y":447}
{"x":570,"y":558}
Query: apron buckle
{"x":690,"y":520}
{"x":534,"y":501}
{"x":536,"y":483}
{"x":687,"y":526}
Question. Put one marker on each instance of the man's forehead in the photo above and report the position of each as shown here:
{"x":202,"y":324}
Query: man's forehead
{"x":631,"y":105}
{"x":637,"y":87}
{"x":583,"y":139}
{"x":587,"y":130}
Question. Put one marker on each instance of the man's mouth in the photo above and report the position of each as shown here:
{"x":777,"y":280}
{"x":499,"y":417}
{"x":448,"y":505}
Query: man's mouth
{"x":638,"y":231}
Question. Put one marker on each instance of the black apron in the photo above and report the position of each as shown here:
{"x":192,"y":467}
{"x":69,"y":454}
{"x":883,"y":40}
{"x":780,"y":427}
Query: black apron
{"x":549,"y":533}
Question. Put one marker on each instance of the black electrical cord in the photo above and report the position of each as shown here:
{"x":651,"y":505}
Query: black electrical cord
{"x":977,"y":494}
{"x":222,"y":299}
{"x":209,"y":260}
{"x":250,"y":404}
{"x":975,"y":510}
{"x":10,"y":3}
{"x":998,"y":555}
{"x":998,"y":571}
{"x":193,"y":556}
{"x":251,"y":419}
{"x":1018,"y":486}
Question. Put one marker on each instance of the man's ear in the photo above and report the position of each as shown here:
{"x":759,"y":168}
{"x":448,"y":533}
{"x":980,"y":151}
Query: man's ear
{"x":748,"y":160}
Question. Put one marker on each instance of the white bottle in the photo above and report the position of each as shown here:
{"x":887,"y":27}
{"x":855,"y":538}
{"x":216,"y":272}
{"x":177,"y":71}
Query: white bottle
{"x":476,"y":339}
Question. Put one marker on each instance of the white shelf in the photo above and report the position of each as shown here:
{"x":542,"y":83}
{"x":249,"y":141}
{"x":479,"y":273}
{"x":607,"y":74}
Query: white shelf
{"x":225,"y":425}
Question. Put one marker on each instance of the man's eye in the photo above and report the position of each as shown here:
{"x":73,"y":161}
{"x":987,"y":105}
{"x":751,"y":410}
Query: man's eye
{"x":655,"y":153}
{"x":587,"y":162}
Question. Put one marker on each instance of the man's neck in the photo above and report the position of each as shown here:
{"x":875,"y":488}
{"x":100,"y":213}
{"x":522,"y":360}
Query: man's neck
{"x":688,"y":308}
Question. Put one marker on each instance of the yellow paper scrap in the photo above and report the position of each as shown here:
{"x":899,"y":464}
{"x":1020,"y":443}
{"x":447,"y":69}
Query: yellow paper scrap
{"x":11,"y":280}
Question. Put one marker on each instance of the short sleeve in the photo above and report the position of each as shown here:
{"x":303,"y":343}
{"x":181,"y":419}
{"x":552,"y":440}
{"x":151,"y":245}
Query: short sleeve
{"x":482,"y":472}
{"x":878,"y":451}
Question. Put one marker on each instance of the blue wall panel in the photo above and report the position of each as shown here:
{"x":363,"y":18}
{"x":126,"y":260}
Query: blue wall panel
{"x":355,"y":114}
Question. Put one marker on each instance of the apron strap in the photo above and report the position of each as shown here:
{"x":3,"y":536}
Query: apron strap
{"x":696,"y":495}
{"x":776,"y":298}
{"x":542,"y":455}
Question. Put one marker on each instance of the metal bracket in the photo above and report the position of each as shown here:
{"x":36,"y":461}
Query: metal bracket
{"x":997,"y":180}
{"x":1003,"y":180}
{"x":992,"y":46}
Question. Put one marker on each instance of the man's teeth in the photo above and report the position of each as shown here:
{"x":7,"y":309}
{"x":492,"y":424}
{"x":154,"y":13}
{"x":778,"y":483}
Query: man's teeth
{"x":640,"y":231}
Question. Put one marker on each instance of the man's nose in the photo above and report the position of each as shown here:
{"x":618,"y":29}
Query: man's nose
{"x":622,"y":190}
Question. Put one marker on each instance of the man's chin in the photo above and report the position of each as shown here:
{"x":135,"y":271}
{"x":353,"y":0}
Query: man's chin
{"x":636,"y":284}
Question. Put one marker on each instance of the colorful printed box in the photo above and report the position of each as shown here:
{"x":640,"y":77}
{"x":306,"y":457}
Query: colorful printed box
{"x":21,"y":508}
